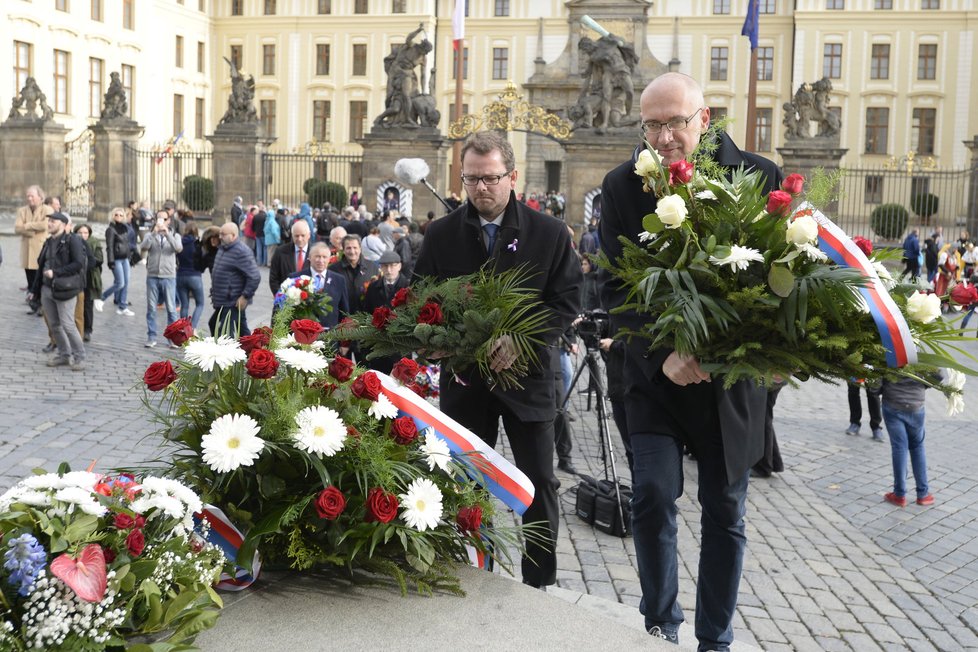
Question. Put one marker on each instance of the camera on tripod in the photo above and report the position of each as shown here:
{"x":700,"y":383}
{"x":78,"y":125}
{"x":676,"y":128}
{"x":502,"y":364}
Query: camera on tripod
{"x":593,"y":327}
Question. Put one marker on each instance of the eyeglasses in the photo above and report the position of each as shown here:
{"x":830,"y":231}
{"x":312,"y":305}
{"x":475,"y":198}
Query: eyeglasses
{"x":675,"y":124}
{"x":489,"y":179}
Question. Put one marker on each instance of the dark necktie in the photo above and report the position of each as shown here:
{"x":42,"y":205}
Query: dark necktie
{"x":491,"y":230}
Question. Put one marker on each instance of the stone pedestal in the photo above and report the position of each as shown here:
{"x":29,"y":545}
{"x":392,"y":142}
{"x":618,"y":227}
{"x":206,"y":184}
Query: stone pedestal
{"x":805,"y":155}
{"x":32,"y":152}
{"x":238,"y":151}
{"x":972,"y":223}
{"x":381,"y":150}
{"x":590,"y":156}
{"x":111,"y":139}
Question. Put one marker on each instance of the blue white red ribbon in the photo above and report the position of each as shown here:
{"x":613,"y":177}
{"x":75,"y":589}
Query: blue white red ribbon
{"x":228,"y":538}
{"x":490,"y":469}
{"x":893,"y":328}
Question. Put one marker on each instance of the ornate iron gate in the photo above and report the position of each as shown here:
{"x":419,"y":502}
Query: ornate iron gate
{"x":79,"y":175}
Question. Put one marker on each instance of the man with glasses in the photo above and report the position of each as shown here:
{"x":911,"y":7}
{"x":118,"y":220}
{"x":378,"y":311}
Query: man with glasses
{"x":495,"y":230}
{"x":670,"y":401}
{"x":163,"y":246}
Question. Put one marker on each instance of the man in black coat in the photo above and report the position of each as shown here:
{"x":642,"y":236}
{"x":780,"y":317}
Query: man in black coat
{"x":670,"y":401}
{"x":357,"y":271}
{"x":492,"y":227}
{"x":380,"y":293}
{"x":290,"y":258}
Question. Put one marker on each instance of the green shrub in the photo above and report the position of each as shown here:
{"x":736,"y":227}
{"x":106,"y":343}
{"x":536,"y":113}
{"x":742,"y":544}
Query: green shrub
{"x":198,"y":193}
{"x":889,"y":221}
{"x":924,"y":204}
{"x":327,"y":191}
{"x":309,"y":183}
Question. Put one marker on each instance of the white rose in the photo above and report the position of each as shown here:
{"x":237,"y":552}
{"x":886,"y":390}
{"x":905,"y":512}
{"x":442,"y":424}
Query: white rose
{"x":802,"y":230}
{"x":646,"y":166}
{"x":924,"y":308}
{"x":293,"y":293}
{"x":672,"y":211}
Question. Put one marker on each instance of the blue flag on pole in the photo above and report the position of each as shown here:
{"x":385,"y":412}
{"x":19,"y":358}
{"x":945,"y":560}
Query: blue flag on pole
{"x":750,"y":28}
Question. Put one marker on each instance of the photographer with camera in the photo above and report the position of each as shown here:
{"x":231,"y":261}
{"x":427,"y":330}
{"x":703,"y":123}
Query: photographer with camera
{"x":163,"y":245}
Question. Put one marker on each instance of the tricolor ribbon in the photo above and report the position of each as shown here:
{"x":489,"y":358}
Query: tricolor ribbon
{"x":488,"y":468}
{"x":893,"y":328}
{"x":228,"y":538}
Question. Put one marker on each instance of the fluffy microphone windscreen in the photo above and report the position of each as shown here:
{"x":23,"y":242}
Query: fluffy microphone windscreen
{"x":411,"y":170}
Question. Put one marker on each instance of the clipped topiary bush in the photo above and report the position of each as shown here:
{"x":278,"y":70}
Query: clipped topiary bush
{"x":198,"y":193}
{"x":327,"y":191}
{"x":889,"y":221}
{"x":924,"y":204}
{"x":309,"y":183}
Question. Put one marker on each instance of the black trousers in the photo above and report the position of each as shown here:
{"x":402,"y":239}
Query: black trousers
{"x":532,"y":443}
{"x":228,"y":320}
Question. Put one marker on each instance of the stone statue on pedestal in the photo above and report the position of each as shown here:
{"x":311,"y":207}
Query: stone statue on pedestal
{"x":405,"y":105}
{"x":607,"y":91}
{"x":29,"y":100}
{"x":115,"y":106}
{"x":811,"y":104}
{"x":241,"y":102}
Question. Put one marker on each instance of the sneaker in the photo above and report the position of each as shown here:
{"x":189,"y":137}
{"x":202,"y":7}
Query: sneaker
{"x":77,"y":365}
{"x":150,"y":344}
{"x":878,"y":434}
{"x":899,"y":501}
{"x":853,"y":429}
{"x":658,"y":632}
{"x":50,"y":348}
{"x":126,"y":312}
{"x":58,"y":362}
{"x":926,"y":500}
{"x":99,"y":305}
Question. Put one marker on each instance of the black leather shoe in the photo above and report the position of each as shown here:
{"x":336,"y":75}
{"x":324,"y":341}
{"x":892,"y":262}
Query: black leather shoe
{"x":567,"y":467}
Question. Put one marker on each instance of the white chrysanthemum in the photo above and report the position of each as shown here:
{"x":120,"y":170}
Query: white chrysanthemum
{"x":422,"y":505}
{"x":25,"y":495}
{"x":954,"y":378}
{"x":955,"y":403}
{"x":813,"y":252}
{"x":802,"y":230}
{"x":672,"y":211}
{"x":83,"y":479}
{"x":924,"y":308}
{"x":382,"y":408}
{"x":705,"y":194}
{"x":84,"y":499}
{"x":646,"y":166}
{"x":307,"y":361}
{"x":739,"y":257}
{"x":175,"y":498}
{"x":231,"y":442}
{"x":885,"y":277}
{"x":321,"y":431}
{"x":436,"y":451}
{"x":209,"y":352}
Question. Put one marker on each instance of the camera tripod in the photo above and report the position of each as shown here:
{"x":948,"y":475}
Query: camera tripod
{"x":590,"y":362}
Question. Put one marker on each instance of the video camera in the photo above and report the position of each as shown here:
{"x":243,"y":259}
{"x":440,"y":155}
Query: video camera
{"x":593,"y":328}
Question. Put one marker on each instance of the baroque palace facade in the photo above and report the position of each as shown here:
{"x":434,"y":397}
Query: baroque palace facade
{"x":903,"y":72}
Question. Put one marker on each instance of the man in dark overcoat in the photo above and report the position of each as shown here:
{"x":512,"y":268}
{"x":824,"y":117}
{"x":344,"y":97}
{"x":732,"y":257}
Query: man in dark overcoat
{"x":492,"y":228}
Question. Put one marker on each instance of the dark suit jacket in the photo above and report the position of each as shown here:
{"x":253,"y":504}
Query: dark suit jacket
{"x":377,"y":294}
{"x":357,"y":279}
{"x":453,"y":246}
{"x":282,"y":265}
{"x":338,"y":299}
{"x":694,"y":413}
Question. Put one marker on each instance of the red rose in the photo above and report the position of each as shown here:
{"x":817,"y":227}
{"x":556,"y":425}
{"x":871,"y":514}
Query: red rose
{"x":381,"y":317}
{"x":403,"y":430}
{"x":778,"y":202}
{"x":303,"y":295}
{"x":794,"y":184}
{"x":430,"y":314}
{"x":159,"y":375}
{"x":353,"y":432}
{"x":261,"y":364}
{"x":123,"y":521}
{"x":341,"y":368}
{"x":139,"y":521}
{"x":381,"y":506}
{"x":680,"y":172}
{"x":330,"y":503}
{"x":305,"y":330}
{"x":109,"y":555}
{"x":405,"y":370}
{"x":367,"y":386}
{"x":420,"y":390}
{"x":179,"y":331}
{"x":469,"y":519}
{"x":259,"y":339}
{"x":135,"y":542}
{"x":864,"y":244}
{"x":401,"y":297}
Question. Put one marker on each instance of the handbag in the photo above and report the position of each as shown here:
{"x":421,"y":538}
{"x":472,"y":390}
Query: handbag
{"x":135,"y":257}
{"x":67,"y":287}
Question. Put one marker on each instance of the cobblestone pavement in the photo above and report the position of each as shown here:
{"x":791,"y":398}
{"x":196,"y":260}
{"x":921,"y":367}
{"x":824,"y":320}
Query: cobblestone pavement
{"x":829,"y":565}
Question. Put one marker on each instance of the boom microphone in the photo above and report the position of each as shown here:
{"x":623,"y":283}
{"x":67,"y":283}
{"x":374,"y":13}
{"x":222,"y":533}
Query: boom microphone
{"x":411,"y":171}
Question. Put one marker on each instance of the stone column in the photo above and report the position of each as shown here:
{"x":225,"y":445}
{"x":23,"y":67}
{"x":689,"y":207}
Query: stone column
{"x":972,"y":223}
{"x":381,"y":150}
{"x":32,"y":152}
{"x":238,"y":151}
{"x":111,"y":139}
{"x":590,"y":156}
{"x":803,"y":156}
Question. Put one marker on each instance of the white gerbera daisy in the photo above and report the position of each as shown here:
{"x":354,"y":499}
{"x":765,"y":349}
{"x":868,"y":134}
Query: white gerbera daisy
{"x":739,"y":257}
{"x":705,"y":194}
{"x":382,"y":408}
{"x":209,"y":352}
{"x":422,"y":505}
{"x":321,"y":431}
{"x":812,"y":252}
{"x":436,"y":450}
{"x":231,"y":442}
{"x":307,"y":361}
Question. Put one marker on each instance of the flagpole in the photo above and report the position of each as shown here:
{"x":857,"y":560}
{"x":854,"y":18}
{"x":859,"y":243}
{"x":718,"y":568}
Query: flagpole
{"x":455,"y":183}
{"x":750,"y":140}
